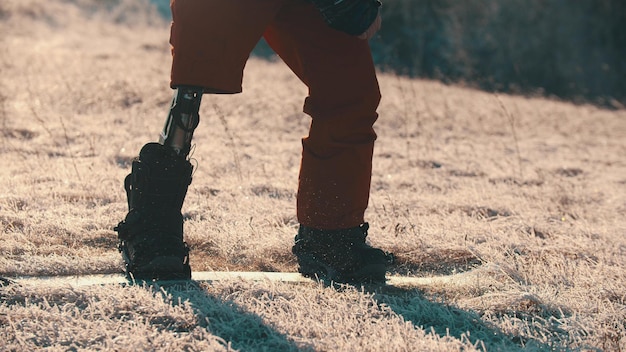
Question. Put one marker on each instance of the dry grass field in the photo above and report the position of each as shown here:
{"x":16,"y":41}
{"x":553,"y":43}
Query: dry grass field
{"x":529,"y":192}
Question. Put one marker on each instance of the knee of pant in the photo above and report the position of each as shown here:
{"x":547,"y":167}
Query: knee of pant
{"x":359,"y":96}
{"x":354,"y":128}
{"x":345,"y":112}
{"x":328,"y":136}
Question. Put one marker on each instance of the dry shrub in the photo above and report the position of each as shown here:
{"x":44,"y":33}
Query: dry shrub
{"x":571,"y":50}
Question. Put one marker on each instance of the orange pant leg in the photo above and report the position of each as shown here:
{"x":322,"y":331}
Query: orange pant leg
{"x":336,"y":167}
{"x":211,"y":40}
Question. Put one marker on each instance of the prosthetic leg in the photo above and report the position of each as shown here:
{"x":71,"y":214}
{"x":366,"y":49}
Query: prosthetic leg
{"x":151,"y":235}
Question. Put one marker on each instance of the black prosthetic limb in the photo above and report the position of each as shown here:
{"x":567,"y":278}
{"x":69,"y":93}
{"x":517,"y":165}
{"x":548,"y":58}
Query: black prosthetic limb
{"x":151,"y":235}
{"x":182,"y":119}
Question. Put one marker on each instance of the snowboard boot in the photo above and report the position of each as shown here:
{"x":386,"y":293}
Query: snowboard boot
{"x":151,"y":235}
{"x":340,"y":256}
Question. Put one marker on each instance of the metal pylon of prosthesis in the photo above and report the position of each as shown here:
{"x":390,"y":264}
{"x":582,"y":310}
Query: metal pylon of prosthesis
{"x":182,"y":119}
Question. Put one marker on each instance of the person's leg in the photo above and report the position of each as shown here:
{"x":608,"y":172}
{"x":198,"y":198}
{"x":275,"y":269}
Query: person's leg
{"x":211,"y":41}
{"x":336,"y":164}
{"x":343,"y":98}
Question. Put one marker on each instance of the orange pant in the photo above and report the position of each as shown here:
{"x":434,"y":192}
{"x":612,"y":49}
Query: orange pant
{"x":211,"y":42}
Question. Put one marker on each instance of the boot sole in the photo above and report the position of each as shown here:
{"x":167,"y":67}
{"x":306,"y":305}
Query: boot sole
{"x":161,"y":268}
{"x":314,"y":269}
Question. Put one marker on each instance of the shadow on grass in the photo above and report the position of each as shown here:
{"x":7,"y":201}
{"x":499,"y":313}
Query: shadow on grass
{"x":442,"y":319}
{"x":247,"y":331}
{"x":242,"y":330}
{"x":445,"y":320}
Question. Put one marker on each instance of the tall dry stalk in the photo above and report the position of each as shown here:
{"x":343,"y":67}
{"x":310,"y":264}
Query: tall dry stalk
{"x":229,"y":134}
{"x":511,"y":120}
{"x":405,"y":117}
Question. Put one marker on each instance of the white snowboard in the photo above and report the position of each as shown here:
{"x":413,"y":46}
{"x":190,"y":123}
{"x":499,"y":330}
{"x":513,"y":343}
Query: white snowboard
{"x":480,"y":273}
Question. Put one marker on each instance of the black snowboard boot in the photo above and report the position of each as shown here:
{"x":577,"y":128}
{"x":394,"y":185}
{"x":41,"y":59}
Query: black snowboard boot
{"x":340,"y":256}
{"x":151,"y":235}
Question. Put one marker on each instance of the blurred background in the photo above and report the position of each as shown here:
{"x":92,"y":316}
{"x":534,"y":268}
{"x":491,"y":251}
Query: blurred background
{"x":572,"y":50}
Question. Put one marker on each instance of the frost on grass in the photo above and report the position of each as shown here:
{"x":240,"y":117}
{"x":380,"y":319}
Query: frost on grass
{"x":107,"y":318}
{"x":237,"y":315}
{"x":462,"y":180}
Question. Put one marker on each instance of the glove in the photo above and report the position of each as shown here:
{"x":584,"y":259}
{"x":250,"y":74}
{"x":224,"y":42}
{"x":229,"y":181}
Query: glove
{"x":354,"y":17}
